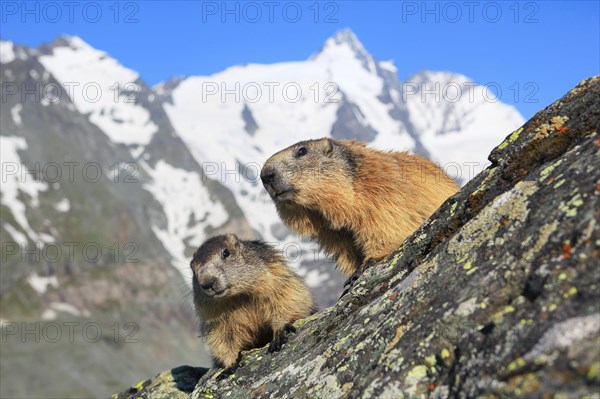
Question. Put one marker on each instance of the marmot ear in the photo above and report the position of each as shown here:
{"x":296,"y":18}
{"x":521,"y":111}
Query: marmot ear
{"x":327,"y":145}
{"x":231,"y":239}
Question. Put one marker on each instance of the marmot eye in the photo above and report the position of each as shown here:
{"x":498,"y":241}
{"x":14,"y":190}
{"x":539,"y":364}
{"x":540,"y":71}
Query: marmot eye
{"x":226,"y":253}
{"x":300,"y":152}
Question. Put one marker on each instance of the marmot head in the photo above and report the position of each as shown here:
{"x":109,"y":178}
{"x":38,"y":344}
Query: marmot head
{"x":225,"y":266}
{"x":302,"y":172}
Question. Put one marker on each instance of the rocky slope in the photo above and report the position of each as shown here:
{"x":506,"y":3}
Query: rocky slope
{"x":496,"y":295}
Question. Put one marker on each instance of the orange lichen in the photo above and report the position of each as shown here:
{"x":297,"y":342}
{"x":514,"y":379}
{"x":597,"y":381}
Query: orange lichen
{"x":566,"y":251}
{"x":556,"y":124}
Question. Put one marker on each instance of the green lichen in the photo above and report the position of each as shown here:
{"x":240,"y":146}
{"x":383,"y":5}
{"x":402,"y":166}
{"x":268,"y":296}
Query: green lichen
{"x":394,"y":260}
{"x":312,"y":318}
{"x":430,"y":361}
{"x":483,"y":184}
{"x":463,"y":257}
{"x":515,"y":364}
{"x":547,"y":170}
{"x":594,"y":371}
{"x":570,"y":208}
{"x":300,"y":323}
{"x":453,"y":208}
{"x":559,"y":183}
{"x":511,"y":139}
{"x":570,"y":292}
{"x":419,"y":371}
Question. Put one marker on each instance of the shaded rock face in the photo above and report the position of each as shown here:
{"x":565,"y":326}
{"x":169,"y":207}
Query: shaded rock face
{"x":177,"y":383}
{"x":496,"y":295}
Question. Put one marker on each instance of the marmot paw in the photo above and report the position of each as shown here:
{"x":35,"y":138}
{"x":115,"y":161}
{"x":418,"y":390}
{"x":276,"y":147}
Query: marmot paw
{"x":229,"y":371}
{"x":280,"y":338}
{"x":349,"y":283}
{"x":352,"y":280}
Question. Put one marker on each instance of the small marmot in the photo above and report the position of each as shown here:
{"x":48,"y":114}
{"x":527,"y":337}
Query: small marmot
{"x":245,"y":296}
{"x":358,"y":203}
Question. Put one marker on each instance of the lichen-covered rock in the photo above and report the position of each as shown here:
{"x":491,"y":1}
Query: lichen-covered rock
{"x":172,"y":384}
{"x":496,"y":295}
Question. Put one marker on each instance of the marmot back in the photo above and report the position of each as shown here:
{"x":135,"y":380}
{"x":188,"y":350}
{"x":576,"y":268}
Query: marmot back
{"x":358,"y":203}
{"x":246,"y":296}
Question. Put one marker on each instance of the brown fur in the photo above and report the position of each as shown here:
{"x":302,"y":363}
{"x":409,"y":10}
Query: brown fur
{"x":262,"y":297}
{"x":358,"y":203}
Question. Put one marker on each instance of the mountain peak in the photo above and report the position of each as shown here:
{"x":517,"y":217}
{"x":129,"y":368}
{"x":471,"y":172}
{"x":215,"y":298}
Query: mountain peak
{"x":344,"y":38}
{"x":343,"y":44}
{"x":74,"y":42}
{"x":347,"y":36}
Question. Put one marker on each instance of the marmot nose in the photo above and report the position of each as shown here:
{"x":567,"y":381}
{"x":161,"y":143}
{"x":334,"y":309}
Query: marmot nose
{"x":207,"y":283}
{"x":267,"y":175}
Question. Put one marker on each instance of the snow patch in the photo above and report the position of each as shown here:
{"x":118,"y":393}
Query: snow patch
{"x":17,"y":236}
{"x":136,"y":151}
{"x":7,"y":52}
{"x":388,"y":66}
{"x":40,"y":284}
{"x":100,"y":93}
{"x":63,"y":205}
{"x":55,"y":307}
{"x":188,"y":207}
{"x":15,"y":112}
{"x":49,"y":314}
{"x":14,"y":183}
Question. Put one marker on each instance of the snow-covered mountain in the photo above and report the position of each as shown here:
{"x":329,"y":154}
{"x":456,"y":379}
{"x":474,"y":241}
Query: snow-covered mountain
{"x":124,"y":115}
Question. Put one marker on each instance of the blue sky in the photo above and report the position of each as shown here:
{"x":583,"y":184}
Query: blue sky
{"x":531,"y":51}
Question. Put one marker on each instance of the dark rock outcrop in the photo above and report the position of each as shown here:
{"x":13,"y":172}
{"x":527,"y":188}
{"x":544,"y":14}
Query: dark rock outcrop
{"x":496,"y":295}
{"x":172,"y":384}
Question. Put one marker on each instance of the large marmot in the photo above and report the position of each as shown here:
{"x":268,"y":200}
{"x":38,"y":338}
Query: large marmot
{"x":246,"y":296}
{"x":358,"y":203}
